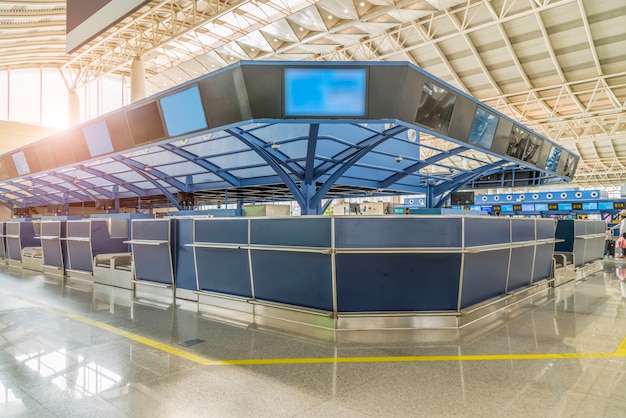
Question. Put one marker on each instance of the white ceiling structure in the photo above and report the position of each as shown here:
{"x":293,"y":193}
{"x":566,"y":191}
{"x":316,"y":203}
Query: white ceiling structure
{"x":556,"y":66}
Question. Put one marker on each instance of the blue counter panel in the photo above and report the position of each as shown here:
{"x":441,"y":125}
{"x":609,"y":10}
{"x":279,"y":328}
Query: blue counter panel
{"x":522,"y":229}
{"x":14,"y":249}
{"x":224,"y":271}
{"x":79,"y":255}
{"x":156,"y":230}
{"x":302,"y":279}
{"x":13,"y":228}
{"x":299,"y":232}
{"x":3,"y":252}
{"x":521,"y":267}
{"x":543,"y":262}
{"x":487,"y":230}
{"x":79,"y":229}
{"x":184,"y":267}
{"x":356,"y":232}
{"x":52,"y":252}
{"x":102,"y":243}
{"x":579,"y":250}
{"x":564,"y":231}
{"x":226,"y":231}
{"x":484,"y":276}
{"x":51,"y":229}
{"x":397,"y":282}
{"x":545,"y":228}
{"x":153,"y":263}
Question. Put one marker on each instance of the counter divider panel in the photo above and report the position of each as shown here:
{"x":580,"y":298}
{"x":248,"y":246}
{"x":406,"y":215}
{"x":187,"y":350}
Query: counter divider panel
{"x":291,"y":232}
{"x":226,"y":230}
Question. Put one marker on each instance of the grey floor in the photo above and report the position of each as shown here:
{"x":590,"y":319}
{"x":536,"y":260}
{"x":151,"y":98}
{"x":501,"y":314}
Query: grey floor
{"x":66,"y":353}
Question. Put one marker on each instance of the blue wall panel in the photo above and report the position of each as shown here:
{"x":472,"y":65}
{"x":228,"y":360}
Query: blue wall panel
{"x":484,"y":276}
{"x":303,"y":279}
{"x":487,"y":230}
{"x":302,"y":232}
{"x":153,"y":263}
{"x":157,"y":229}
{"x":356,"y":232}
{"x":185,"y":269}
{"x":52,"y":252}
{"x":543,"y":262}
{"x":227,"y":231}
{"x":80,"y":257}
{"x":521,"y":267}
{"x":522,"y":229}
{"x":545,"y":228}
{"x":224,"y":271}
{"x":397,"y":282}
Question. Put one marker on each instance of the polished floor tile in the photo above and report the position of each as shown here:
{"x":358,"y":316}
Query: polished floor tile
{"x":69,"y":353}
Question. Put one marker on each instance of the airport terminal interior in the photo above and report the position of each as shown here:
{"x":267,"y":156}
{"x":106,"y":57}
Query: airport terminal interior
{"x":307,"y":208}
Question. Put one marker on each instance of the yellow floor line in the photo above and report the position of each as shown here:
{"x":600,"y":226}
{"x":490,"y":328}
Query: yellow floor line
{"x":620,"y":352}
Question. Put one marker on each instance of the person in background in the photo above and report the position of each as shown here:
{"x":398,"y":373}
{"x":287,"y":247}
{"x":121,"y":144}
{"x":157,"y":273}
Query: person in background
{"x":622,"y":223}
{"x":621,"y":244}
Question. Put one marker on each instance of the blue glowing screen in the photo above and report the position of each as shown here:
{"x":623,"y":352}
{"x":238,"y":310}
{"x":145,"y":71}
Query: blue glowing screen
{"x":590,"y":205}
{"x":484,"y":128}
{"x":528,"y":207}
{"x":183,"y":112}
{"x":553,"y":159}
{"x":541,"y":206}
{"x":565,"y":206}
{"x":325,"y":91}
{"x":605,"y":205}
{"x":98,"y":138}
{"x":507,"y":208}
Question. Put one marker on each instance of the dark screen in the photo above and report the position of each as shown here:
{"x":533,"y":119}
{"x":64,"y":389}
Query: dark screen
{"x":119,"y":131}
{"x":145,"y":123}
{"x":45,"y":155}
{"x":517,"y":143}
{"x":61,"y":149}
{"x":78,"y":145}
{"x":483,"y":128}
{"x":531,"y":153}
{"x":436,"y":106}
{"x":461,"y":198}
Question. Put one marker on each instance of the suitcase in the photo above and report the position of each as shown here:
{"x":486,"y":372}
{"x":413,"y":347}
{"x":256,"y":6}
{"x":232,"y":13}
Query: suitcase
{"x":610,"y":248}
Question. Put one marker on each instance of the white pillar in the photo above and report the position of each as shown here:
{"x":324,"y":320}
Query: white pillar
{"x":137,"y":80}
{"x":73,"y":108}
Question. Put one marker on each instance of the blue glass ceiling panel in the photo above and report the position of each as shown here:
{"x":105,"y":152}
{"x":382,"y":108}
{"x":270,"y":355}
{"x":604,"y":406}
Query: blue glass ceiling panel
{"x":111,"y":168}
{"x":206,"y":178}
{"x":164,"y":157}
{"x":352,"y":134}
{"x":329,"y":147}
{"x":368,"y":173}
{"x":98,"y":181}
{"x":253,"y":172}
{"x":399,"y":147}
{"x":241,"y":159}
{"x":218,"y":146}
{"x":181,"y":169}
{"x":278,"y":132}
{"x":130,"y":177}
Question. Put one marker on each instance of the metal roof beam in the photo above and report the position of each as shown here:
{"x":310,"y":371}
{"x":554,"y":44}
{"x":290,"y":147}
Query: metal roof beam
{"x":232,"y":180}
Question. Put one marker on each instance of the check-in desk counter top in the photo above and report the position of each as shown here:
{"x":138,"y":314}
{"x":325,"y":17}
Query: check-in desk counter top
{"x":361,"y":271}
{"x":582,"y":238}
{"x":19,"y":234}
{"x":91,"y":237}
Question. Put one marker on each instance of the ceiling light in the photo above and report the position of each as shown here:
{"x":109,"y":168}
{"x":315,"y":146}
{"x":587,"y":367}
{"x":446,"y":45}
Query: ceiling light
{"x":399,"y":158}
{"x":147,"y":169}
{"x":330,"y":17}
{"x":345,"y":10}
{"x":252,"y":49}
{"x":275,"y":40}
{"x":301,"y":28}
{"x":362,"y":4}
{"x":275,"y":146}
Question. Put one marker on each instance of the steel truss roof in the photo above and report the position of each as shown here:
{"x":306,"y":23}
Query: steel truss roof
{"x":557,"y":66}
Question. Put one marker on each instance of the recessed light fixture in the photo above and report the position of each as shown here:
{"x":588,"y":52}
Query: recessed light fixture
{"x":330,"y":17}
{"x":301,"y":28}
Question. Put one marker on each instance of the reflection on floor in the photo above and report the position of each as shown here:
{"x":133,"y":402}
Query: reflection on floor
{"x":70,"y":353}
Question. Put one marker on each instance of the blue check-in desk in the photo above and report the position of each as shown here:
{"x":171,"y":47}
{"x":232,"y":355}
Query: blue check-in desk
{"x":359,"y":272}
{"x":584,"y":240}
{"x":54,"y":246}
{"x":3,"y":247}
{"x":88,"y":238}
{"x":152,"y":253}
{"x":20,"y":238}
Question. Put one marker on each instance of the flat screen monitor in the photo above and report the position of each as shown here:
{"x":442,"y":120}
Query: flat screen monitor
{"x":517,"y":143}
{"x":145,"y":123}
{"x":590,"y":205}
{"x":541,"y":206}
{"x":553,"y":158}
{"x":507,"y":208}
{"x":320,"y":92}
{"x":474,"y":207}
{"x":618,"y":205}
{"x":517,"y":208}
{"x":183,"y":112}
{"x":497,"y":208}
{"x":483,"y":128}
{"x":462,"y":198}
{"x":528,"y":207}
{"x":45,"y":155}
{"x":577,"y":206}
{"x":553,"y":206}
{"x":564,"y":206}
{"x":21,"y":165}
{"x":98,"y":138}
{"x":531,"y":153}
{"x":486,"y":208}
{"x":570,"y":165}
{"x":605,"y":205}
{"x":435,"y":107}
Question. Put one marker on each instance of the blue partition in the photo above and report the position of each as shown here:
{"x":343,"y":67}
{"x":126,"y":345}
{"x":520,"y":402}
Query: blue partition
{"x":3,"y":251}
{"x":53,"y":244}
{"x":19,"y":235}
{"x":545,"y":249}
{"x":583,"y":238}
{"x":184,"y":265}
{"x":88,"y":238}
{"x":152,"y":250}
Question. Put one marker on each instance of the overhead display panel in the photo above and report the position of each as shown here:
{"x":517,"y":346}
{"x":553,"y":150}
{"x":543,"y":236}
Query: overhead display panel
{"x":45,"y":155}
{"x":183,"y":112}
{"x":61,"y":149}
{"x":570,"y":165}
{"x":517,"y":142}
{"x":7,"y":168}
{"x":531,"y":153}
{"x":483,"y":128}
{"x":325,"y":92}
{"x":145,"y":123}
{"x":435,"y":107}
{"x":21,"y":165}
{"x":553,"y":158}
{"x":78,"y":145}
{"x":98,"y":139}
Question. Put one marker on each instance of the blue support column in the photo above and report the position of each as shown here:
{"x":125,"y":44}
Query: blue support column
{"x":312,"y":206}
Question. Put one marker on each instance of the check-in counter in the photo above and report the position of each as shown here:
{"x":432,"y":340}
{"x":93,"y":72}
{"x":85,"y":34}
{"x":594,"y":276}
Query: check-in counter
{"x":152,"y":254}
{"x":583,"y":239}
{"x":3,"y":248}
{"x":54,"y":248}
{"x":21,"y":238}
{"x":89,"y":238}
{"x":371,"y":272}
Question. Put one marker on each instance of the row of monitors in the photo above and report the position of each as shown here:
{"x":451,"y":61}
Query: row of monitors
{"x":542,"y":207}
{"x":282,"y":92}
